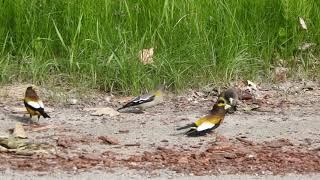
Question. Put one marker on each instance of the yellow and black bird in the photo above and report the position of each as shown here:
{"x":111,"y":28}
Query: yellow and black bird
{"x":147,"y":100}
{"x":231,"y":96}
{"x":209,"y":122}
{"x":33,"y":104}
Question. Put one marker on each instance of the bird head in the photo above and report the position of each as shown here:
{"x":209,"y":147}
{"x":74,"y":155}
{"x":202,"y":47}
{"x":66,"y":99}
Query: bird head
{"x":222,"y":103}
{"x":231,"y":100}
{"x":160,"y":87}
{"x":30,"y":92}
{"x":159,"y":90}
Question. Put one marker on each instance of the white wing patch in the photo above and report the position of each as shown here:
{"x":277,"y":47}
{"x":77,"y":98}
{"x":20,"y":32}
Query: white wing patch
{"x":41,"y":104}
{"x":142,"y":99}
{"x":205,"y":126}
{"x":35,"y":105}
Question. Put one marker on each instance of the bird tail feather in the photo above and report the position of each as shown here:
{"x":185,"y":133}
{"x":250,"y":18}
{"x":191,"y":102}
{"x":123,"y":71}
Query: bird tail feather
{"x":44,"y":114}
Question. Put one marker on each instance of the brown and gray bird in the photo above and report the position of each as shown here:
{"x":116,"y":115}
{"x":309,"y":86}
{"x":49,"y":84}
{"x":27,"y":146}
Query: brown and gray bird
{"x":33,"y":104}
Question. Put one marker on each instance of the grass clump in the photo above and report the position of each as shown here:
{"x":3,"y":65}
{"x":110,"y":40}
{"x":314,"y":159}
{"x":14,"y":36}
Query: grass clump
{"x":95,"y":44}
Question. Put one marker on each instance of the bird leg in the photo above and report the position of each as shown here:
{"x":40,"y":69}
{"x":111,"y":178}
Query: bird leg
{"x":30,"y":120}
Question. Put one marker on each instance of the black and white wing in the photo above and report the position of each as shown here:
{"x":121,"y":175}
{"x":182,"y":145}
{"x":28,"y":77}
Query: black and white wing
{"x":139,"y":100}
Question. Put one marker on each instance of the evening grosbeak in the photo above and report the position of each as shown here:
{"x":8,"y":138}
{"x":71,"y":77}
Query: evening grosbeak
{"x":231,"y":97}
{"x":147,"y":100}
{"x":209,"y":122}
{"x":33,"y":104}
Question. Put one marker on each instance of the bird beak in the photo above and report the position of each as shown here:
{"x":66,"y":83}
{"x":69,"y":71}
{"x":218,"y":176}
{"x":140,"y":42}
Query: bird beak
{"x":227,"y":106}
{"x":231,"y":100}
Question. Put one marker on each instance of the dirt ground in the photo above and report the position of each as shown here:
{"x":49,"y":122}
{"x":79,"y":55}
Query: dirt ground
{"x":276,"y":138}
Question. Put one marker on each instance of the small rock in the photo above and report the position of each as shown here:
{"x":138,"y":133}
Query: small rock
{"x":3,"y":149}
{"x":229,"y":155}
{"x":93,"y":157}
{"x":107,"y":99}
{"x":123,"y":131}
{"x":251,"y":156}
{"x":19,"y":132}
{"x":72,"y":101}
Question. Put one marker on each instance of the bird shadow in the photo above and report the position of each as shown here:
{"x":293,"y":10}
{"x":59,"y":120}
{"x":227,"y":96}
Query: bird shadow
{"x":135,"y":111}
{"x":21,"y":119}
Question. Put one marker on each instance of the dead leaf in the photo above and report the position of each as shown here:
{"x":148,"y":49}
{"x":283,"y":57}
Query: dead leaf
{"x":252,"y":86}
{"x":281,"y":74}
{"x":146,"y":56}
{"x":109,"y":140}
{"x":303,"y":23}
{"x":246,"y":96}
{"x":103,"y":111}
{"x":19,"y":132}
{"x":305,"y":46}
{"x":249,"y":90}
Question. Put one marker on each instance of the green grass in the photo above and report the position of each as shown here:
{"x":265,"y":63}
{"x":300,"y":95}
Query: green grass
{"x":95,"y":44}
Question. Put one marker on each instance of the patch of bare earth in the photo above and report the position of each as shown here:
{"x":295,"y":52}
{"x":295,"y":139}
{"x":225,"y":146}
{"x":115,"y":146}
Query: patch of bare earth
{"x":278,"y":134}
